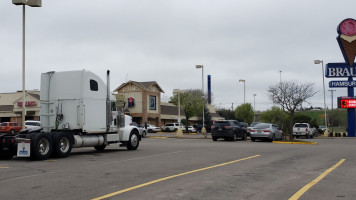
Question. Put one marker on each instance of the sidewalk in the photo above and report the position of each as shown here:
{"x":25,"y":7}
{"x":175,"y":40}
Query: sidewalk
{"x":173,"y":135}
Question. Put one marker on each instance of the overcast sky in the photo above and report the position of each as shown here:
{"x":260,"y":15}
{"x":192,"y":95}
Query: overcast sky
{"x":163,"y":40}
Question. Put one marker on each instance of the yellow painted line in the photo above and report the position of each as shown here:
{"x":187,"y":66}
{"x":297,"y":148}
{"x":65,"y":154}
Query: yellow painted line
{"x":3,"y":167}
{"x":295,"y":142}
{"x":159,"y":137}
{"x":304,"y":189}
{"x":170,"y":177}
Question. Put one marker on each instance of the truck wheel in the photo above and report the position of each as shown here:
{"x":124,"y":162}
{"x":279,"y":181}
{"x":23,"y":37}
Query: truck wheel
{"x":62,"y":145}
{"x":215,"y":138}
{"x":41,"y":146}
{"x":133,"y":141}
{"x":101,"y":147}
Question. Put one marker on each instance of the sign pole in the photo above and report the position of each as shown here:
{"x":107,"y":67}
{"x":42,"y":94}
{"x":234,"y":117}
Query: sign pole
{"x":350,"y":113}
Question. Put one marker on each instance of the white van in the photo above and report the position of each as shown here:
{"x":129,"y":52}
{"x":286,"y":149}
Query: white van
{"x":31,"y":125}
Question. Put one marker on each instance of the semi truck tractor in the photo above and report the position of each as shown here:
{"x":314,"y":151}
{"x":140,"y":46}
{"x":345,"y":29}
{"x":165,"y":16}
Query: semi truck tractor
{"x":77,"y":109}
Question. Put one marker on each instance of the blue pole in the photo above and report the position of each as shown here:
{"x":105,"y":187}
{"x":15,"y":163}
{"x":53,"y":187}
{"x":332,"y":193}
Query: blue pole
{"x":350,"y":113}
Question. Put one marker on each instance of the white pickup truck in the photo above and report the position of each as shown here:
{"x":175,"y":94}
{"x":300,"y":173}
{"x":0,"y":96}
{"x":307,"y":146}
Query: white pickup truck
{"x":303,"y":129}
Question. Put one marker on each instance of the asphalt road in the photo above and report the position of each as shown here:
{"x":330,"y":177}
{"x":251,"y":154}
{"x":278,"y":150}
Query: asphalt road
{"x":171,"y":168}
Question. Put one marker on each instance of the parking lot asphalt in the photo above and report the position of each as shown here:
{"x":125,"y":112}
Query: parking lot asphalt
{"x":208,"y":136}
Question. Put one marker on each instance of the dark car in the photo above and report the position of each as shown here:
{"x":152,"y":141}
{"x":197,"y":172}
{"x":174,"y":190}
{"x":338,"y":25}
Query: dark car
{"x":228,"y":130}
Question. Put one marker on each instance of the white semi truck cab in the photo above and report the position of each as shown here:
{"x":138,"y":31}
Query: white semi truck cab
{"x":77,"y":110}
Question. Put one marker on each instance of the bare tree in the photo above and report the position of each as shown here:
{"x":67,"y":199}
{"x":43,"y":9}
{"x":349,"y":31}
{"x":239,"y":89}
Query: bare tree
{"x":289,"y":95}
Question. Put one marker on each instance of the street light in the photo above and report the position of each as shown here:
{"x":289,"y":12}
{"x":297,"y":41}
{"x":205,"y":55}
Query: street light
{"x":322,"y":71}
{"x":241,"y":80}
{"x":32,"y":3}
{"x":203,"y":130}
{"x":179,"y":131}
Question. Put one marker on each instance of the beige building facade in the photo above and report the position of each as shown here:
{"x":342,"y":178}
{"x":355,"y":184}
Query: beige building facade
{"x":11,"y":106}
{"x":142,"y":100}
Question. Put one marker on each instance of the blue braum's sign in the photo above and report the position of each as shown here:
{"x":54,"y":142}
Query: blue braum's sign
{"x":333,"y":84}
{"x":340,"y":70}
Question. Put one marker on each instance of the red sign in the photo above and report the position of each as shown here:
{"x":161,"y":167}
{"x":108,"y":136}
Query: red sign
{"x":27,"y":104}
{"x":348,"y":103}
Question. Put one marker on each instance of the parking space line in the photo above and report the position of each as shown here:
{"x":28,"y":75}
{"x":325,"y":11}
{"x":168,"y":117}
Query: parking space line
{"x":304,"y":189}
{"x":171,"y":177}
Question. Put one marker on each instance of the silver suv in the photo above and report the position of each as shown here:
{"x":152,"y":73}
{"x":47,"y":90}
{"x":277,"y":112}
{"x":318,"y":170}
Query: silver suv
{"x":172,"y":127}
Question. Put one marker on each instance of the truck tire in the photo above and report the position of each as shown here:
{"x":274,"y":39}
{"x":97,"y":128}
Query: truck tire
{"x":215,"y":138}
{"x":100,"y":148}
{"x":62,"y":144}
{"x":41,"y":146}
{"x":133,"y":140}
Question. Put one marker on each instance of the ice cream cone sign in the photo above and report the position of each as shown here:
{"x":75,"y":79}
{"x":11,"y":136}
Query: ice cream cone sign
{"x":347,"y":40}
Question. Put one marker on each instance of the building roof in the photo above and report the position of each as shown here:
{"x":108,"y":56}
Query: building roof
{"x":170,"y":109}
{"x":11,"y":98}
{"x":146,"y":86}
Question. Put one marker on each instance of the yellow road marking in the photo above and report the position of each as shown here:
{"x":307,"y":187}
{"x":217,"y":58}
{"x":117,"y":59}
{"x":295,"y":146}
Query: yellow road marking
{"x":295,"y":142}
{"x":3,"y":167}
{"x":170,"y":177}
{"x":298,"y":194}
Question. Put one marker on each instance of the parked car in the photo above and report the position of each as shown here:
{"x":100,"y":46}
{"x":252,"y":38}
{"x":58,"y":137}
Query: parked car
{"x":32,"y":125}
{"x":265,"y":131}
{"x":191,"y":129}
{"x":152,"y":128}
{"x":303,"y":129}
{"x":172,"y":127}
{"x":323,"y":128}
{"x":141,"y":129}
{"x":228,"y":130}
{"x":10,"y":127}
{"x":250,"y":127}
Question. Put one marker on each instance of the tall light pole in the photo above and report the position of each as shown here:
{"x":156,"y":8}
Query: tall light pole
{"x":244,"y":81}
{"x":32,"y":3}
{"x":179,"y":131}
{"x":322,"y":71}
{"x":203,"y":130}
{"x":254,"y":107}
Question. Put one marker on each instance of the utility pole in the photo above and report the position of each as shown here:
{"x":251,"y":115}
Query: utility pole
{"x":332,"y":110}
